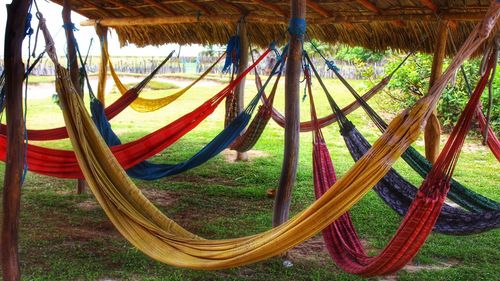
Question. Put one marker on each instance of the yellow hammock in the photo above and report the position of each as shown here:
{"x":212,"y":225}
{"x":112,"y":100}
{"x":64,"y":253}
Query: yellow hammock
{"x":150,"y":105}
{"x":159,"y":237}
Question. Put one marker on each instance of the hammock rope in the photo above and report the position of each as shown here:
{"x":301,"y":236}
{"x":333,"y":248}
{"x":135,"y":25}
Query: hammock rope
{"x":156,"y":235}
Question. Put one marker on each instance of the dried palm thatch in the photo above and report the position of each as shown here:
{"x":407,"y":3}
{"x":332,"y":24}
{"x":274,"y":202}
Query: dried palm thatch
{"x":377,"y":25}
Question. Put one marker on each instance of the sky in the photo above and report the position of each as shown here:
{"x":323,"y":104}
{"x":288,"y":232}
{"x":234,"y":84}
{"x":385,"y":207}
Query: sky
{"x":52,"y":13}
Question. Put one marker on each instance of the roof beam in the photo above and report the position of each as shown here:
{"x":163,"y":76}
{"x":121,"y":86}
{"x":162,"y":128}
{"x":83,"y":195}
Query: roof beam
{"x":130,"y":9}
{"x":272,"y":7}
{"x":254,"y":18}
{"x":198,"y":6}
{"x":234,"y":7}
{"x":430,"y":4}
{"x":317,"y":8}
{"x":160,"y":7}
{"x":369,"y":6}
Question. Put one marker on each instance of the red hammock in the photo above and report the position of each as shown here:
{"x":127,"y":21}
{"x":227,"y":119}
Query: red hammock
{"x":341,"y":238}
{"x":63,"y":163}
{"x":61,"y":133}
{"x":492,"y":140}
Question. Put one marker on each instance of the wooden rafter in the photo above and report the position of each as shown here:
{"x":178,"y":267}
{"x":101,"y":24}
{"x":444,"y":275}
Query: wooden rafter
{"x":317,"y":8}
{"x":130,"y":9}
{"x":369,"y":6}
{"x":99,"y":9}
{"x":430,"y":4}
{"x":160,"y":6}
{"x":198,"y":6}
{"x":234,"y":7}
{"x":256,"y":18}
{"x":271,"y":6}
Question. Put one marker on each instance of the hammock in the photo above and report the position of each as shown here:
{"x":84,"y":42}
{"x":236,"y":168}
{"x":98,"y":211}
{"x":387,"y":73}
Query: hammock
{"x":399,"y":193}
{"x":492,"y":141}
{"x":156,"y":235}
{"x":330,"y":119}
{"x":307,"y":126}
{"x":248,"y":140}
{"x":341,"y":238}
{"x":151,"y":171}
{"x":110,"y":112}
{"x":63,"y":163}
{"x":150,"y":105}
{"x":458,"y":193}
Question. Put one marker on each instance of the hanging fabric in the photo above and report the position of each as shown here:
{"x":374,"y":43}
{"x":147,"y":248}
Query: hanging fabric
{"x":399,"y":193}
{"x":159,"y":237}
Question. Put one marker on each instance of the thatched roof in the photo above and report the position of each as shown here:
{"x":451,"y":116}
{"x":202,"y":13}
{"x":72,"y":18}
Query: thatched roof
{"x":377,"y":25}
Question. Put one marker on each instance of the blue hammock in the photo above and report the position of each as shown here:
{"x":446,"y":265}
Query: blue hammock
{"x":151,"y":171}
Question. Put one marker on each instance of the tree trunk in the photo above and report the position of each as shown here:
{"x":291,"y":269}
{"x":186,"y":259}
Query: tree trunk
{"x":292,"y":120}
{"x":14,"y":76}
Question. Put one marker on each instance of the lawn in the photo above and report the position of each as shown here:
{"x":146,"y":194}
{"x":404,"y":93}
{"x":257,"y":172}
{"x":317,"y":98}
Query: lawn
{"x":65,"y":236}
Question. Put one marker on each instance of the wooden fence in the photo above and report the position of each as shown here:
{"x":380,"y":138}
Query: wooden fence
{"x":144,"y":65}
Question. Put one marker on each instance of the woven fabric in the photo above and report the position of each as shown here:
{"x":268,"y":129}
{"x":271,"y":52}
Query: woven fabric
{"x":159,"y":237}
{"x":460,"y":194}
{"x":422,"y":213}
{"x":63,"y":163}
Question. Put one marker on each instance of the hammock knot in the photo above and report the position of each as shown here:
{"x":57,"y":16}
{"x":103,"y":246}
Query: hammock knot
{"x":297,"y":26}
{"x":70,"y":26}
{"x":332,"y":66}
{"x":28,"y":30}
{"x":232,"y":53}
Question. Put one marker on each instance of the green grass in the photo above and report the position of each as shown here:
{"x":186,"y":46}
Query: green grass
{"x":68,"y":237}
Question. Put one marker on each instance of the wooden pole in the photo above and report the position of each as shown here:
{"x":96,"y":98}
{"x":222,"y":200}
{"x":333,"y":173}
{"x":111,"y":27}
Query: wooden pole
{"x":388,"y":16}
{"x":240,"y":89}
{"x":102,"y":33}
{"x":292,"y":119}
{"x":14,"y":76}
{"x":432,"y":132}
{"x":73,"y":64}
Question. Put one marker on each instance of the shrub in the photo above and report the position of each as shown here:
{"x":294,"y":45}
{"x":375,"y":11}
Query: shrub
{"x":412,"y":82}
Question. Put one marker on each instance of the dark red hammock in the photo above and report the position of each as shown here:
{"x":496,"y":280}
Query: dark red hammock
{"x":492,"y":141}
{"x":341,"y":238}
{"x":63,"y":163}
{"x":307,"y":126}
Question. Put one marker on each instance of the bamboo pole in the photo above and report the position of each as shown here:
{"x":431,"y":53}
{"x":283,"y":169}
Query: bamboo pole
{"x":388,"y":16}
{"x":432,"y":132}
{"x":292,"y":120}
{"x":14,"y":75}
{"x":73,"y":64}
{"x":240,"y":89}
{"x":102,"y":33}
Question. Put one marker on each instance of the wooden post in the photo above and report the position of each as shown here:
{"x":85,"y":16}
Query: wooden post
{"x":240,"y":89}
{"x":292,"y":119}
{"x":14,"y":76}
{"x":102,"y":33}
{"x":73,"y":64}
{"x":432,"y":132}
